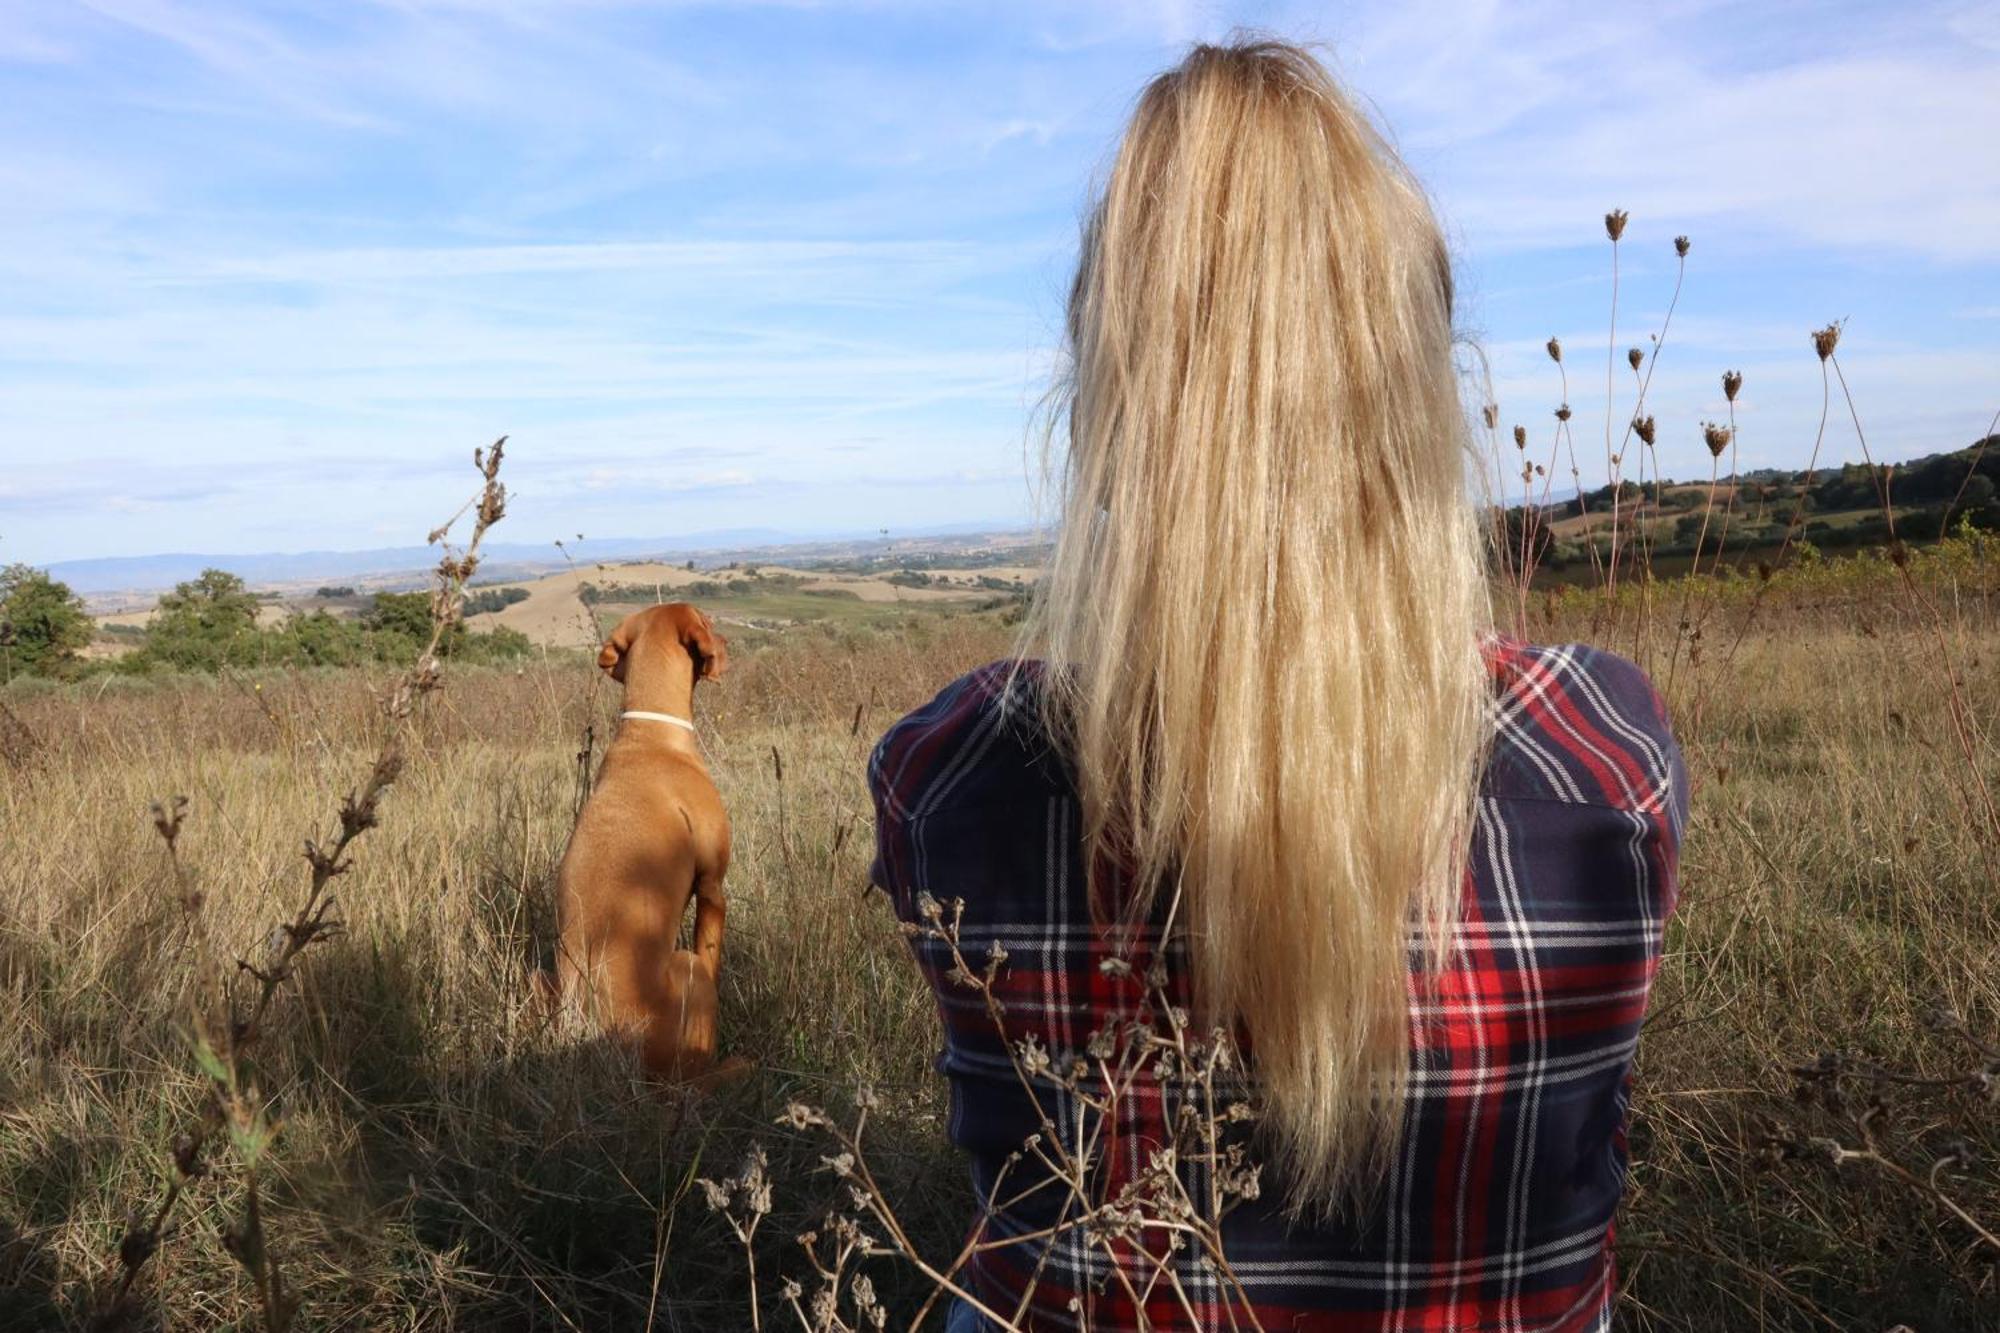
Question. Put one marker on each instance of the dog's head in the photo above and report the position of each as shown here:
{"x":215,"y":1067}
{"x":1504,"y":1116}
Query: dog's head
{"x":658,"y":626}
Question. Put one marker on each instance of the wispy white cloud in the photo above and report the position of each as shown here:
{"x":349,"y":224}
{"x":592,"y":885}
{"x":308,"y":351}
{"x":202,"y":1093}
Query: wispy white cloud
{"x":724,"y":264}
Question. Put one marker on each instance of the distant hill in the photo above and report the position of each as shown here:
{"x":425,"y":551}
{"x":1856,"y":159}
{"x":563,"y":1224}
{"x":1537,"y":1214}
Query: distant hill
{"x":1837,"y":506}
{"x":1964,"y":477}
{"x":503,"y":560}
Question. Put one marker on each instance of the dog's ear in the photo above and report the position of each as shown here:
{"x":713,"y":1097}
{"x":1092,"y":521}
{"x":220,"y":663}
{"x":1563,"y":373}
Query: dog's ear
{"x":611,"y":657}
{"x":711,"y":650}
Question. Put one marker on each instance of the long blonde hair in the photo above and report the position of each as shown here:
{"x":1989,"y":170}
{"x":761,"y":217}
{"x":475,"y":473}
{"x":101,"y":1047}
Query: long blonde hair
{"x":1267,"y":586}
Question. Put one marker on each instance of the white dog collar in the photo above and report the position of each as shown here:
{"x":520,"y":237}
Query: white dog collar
{"x":667,"y":718}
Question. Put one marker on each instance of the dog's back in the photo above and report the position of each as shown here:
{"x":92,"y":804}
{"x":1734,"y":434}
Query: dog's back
{"x":653,"y":834}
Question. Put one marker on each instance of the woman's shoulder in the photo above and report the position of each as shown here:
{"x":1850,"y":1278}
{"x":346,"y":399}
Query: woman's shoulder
{"x":1579,"y":723}
{"x":978,"y":740}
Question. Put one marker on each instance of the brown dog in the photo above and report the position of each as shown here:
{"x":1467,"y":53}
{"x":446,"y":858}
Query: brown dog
{"x":652,"y":835}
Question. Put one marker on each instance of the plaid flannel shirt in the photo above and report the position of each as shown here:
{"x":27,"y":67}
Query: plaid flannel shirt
{"x":1498,"y":1210}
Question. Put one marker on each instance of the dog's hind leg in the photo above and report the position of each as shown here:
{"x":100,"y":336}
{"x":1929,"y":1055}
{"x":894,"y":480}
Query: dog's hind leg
{"x":710,"y":912}
{"x":680,"y":1040}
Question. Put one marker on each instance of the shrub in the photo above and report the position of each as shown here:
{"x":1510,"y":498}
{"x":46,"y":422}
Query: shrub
{"x":204,"y":624}
{"x":43,"y":626}
{"x":493,"y":599}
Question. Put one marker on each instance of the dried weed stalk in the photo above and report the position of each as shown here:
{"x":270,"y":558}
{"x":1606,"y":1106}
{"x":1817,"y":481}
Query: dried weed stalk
{"x":1152,"y":1232}
{"x":228,"y":1024}
{"x":1854,"y":1093}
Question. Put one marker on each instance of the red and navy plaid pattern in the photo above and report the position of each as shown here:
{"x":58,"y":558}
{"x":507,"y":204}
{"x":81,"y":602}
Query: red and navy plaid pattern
{"x":1498,"y":1211}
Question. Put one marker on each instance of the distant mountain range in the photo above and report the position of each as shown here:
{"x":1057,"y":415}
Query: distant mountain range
{"x":154,"y":573}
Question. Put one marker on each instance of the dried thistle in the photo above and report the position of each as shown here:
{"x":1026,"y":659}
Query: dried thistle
{"x":167,"y":816}
{"x":1731,"y":382}
{"x":1614,"y":224}
{"x":1681,"y":246}
{"x":743,"y":1200}
{"x":1826,"y":339}
{"x":1635,"y":358}
{"x":1492,"y":414}
{"x":1715,"y":437}
{"x":1520,"y":437}
{"x":1644,"y":429}
{"x":1555,"y":350}
{"x":221,"y":1041}
{"x":1562,"y":413}
{"x":1155,"y":1047}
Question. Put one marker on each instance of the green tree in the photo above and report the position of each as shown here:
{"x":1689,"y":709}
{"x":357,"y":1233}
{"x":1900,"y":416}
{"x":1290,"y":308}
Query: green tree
{"x":43,"y":625}
{"x":1979,"y":492}
{"x":499,"y":644}
{"x":493,"y":599}
{"x":204,"y":624}
{"x":401,"y":624}
{"x":318,"y":639}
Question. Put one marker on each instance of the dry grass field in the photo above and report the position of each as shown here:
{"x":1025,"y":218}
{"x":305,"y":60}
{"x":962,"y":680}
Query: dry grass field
{"x":1814,"y":1131}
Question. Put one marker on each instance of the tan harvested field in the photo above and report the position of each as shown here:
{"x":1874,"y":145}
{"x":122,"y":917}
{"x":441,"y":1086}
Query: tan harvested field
{"x":268,"y":614}
{"x":881,"y":590}
{"x":553,"y":616}
{"x":446,"y":1161}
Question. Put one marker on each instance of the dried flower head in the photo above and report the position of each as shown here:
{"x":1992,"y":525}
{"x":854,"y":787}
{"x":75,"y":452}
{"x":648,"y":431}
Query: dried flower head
{"x":1031,"y":1058}
{"x":1555,"y":349}
{"x":802,"y":1117}
{"x":1681,"y":246}
{"x":1520,"y":437}
{"x":1634,"y":357}
{"x":1731,"y":382}
{"x":1715,"y":437}
{"x":1643,"y":428}
{"x":1491,"y":414}
{"x":1562,"y":413}
{"x":167,"y":816}
{"x":1614,"y":224}
{"x":1826,"y":339}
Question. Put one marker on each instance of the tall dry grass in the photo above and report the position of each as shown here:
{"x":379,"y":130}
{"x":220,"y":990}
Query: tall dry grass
{"x":444,"y":1162}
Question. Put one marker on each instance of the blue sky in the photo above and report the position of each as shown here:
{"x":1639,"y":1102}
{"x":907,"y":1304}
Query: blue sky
{"x":269,"y":271}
